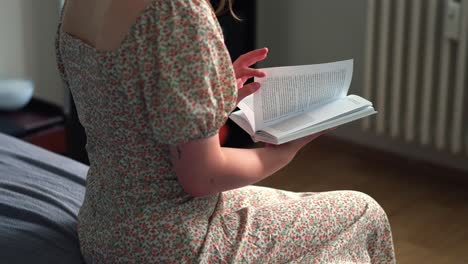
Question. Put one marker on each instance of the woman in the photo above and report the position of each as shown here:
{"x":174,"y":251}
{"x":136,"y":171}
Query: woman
{"x":153,"y":83}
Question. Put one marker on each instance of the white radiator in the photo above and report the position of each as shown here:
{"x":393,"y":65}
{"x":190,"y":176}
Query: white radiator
{"x":416,"y":72}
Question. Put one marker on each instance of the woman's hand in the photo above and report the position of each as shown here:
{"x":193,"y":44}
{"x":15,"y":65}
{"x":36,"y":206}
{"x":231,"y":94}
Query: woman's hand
{"x":244,"y":72}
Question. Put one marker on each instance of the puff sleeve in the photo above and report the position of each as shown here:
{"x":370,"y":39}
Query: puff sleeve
{"x":190,"y":84}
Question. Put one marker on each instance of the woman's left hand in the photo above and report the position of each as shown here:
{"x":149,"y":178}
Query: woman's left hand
{"x":244,"y":72}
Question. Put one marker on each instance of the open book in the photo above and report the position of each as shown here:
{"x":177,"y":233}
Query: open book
{"x":297,"y":101}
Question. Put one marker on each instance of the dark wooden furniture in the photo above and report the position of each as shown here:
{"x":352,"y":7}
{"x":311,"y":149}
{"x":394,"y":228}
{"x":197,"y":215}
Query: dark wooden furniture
{"x":39,"y":123}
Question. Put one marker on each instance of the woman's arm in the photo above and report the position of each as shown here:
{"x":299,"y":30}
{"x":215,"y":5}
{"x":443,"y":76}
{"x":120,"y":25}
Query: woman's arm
{"x":204,"y":168}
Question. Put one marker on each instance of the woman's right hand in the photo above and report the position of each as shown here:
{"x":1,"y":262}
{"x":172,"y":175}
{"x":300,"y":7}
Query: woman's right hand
{"x":244,"y":72}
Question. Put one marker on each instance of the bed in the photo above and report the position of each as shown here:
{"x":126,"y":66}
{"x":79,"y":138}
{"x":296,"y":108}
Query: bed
{"x":40,"y":195}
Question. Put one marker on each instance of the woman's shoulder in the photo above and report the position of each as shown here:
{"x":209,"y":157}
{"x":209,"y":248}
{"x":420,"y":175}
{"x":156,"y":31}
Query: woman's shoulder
{"x":166,"y":16}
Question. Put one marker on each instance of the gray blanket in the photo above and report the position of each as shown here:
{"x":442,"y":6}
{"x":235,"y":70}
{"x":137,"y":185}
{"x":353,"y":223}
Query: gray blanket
{"x":40,"y":195}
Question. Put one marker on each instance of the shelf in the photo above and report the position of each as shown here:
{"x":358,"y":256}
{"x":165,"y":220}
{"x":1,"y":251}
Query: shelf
{"x":39,"y":123}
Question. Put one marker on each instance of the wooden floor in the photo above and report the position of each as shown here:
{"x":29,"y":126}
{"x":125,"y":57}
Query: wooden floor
{"x":427,"y":206}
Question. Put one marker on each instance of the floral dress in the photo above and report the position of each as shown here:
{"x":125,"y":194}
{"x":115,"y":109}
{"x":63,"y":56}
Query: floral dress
{"x":172,"y":81}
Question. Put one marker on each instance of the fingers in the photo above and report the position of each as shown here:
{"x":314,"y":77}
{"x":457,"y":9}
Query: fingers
{"x":247,"y":90}
{"x":250,"y":58}
{"x":242,"y":64}
{"x":246,"y":73}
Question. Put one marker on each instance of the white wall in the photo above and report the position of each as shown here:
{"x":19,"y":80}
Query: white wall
{"x":306,"y":32}
{"x":27,"y":32}
{"x":12,"y":57}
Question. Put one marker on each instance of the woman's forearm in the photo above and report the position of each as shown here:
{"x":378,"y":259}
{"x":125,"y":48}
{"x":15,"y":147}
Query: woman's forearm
{"x":203,"y":167}
{"x":253,"y":165}
{"x":236,"y":168}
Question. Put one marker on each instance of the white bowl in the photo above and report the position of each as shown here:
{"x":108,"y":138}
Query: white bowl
{"x":15,"y":94}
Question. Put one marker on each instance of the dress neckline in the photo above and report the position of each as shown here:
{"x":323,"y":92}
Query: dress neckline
{"x":81,"y":43}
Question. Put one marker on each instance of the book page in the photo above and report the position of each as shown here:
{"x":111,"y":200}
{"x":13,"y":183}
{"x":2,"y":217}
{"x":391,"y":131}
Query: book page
{"x":279,"y":138}
{"x":319,"y":115}
{"x":241,"y":120}
{"x":247,"y":107}
{"x":290,"y":91}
